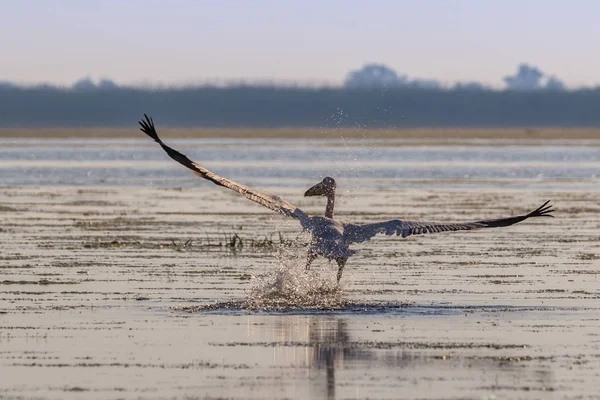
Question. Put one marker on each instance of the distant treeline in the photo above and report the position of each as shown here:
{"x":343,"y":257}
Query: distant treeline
{"x":263,"y":107}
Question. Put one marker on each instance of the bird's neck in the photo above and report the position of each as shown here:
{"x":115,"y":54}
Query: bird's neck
{"x":330,"y":202}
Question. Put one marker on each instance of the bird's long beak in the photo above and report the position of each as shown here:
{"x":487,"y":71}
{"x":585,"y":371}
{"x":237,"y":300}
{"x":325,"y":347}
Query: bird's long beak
{"x":320,"y":189}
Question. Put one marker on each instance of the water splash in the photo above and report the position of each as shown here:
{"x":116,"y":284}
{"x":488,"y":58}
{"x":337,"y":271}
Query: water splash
{"x":291,"y":286}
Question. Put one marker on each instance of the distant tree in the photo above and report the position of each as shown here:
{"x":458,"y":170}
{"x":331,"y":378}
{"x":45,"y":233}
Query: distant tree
{"x":107,"y":84}
{"x":7,"y":84}
{"x":374,"y":76}
{"x":554,"y":83}
{"x":84,"y":84}
{"x":470,"y":86}
{"x":430,"y":84}
{"x":526,"y":78}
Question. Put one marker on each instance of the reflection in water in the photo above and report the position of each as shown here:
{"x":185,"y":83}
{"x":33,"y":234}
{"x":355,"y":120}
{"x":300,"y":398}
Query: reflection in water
{"x":323,"y":344}
{"x":329,"y":348}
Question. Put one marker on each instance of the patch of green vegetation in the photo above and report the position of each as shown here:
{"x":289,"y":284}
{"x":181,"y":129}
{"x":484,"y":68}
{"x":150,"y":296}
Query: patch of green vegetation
{"x":233,"y":241}
{"x":96,"y":245}
{"x":63,"y":264}
{"x":467,"y":262}
{"x":16,"y":266}
{"x":75,"y":389}
{"x":40,"y":282}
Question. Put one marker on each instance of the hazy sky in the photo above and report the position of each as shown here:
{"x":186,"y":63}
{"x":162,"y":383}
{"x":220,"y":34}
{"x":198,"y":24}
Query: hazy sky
{"x":181,"y":41}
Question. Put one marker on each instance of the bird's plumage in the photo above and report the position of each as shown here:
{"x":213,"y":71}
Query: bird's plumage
{"x":360,"y":233}
{"x":331,"y":238}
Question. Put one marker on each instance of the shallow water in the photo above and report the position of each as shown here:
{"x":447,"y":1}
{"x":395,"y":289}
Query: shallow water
{"x":138,"y":291}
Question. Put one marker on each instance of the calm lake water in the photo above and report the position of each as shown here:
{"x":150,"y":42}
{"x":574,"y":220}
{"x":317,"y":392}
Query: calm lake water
{"x":359,"y":163}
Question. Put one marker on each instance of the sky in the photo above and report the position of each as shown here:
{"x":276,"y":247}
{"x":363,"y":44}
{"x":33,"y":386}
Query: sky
{"x":307,"y":41}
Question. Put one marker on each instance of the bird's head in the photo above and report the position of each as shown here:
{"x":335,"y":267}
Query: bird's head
{"x":324,"y":188}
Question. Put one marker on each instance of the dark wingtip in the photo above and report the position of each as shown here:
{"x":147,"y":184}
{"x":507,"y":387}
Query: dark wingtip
{"x":543,"y":211}
{"x":147,"y":126}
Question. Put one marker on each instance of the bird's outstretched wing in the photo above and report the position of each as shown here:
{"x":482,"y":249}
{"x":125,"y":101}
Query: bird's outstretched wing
{"x":271,"y":201}
{"x":354,"y":233}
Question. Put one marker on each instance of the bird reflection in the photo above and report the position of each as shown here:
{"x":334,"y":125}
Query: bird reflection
{"x":328,"y":346}
{"x":324,"y":343}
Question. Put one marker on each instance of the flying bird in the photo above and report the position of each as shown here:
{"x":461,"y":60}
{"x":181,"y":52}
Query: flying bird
{"x":331,"y":238}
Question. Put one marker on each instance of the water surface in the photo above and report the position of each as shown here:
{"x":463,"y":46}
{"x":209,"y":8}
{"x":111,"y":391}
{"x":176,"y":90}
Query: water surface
{"x":119,"y":277}
{"x":267,"y":163}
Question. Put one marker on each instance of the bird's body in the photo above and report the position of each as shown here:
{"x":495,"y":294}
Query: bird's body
{"x":328,"y":239}
{"x":331,"y":238}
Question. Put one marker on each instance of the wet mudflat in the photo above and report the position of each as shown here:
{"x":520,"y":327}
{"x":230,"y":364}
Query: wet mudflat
{"x":141,"y":292}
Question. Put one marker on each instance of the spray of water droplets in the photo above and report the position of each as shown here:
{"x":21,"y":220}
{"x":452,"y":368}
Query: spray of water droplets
{"x":291,"y":286}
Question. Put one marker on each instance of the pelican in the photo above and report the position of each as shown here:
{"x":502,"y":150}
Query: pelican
{"x":331,"y":238}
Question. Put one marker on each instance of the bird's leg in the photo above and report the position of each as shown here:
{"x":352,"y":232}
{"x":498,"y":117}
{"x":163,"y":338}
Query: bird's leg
{"x":311,"y":257}
{"x":341,"y":264}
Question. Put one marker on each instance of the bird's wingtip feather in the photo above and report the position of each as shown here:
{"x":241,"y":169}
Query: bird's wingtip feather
{"x":147,"y":126}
